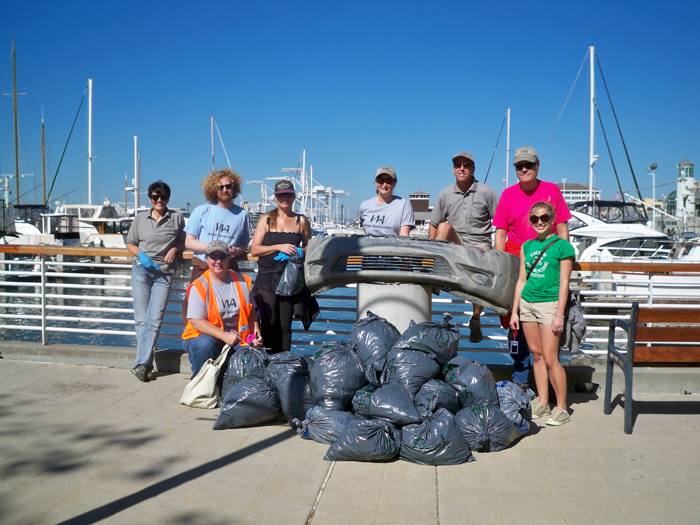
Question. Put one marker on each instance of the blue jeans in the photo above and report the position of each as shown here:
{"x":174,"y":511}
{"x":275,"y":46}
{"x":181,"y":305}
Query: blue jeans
{"x":151,"y":290}
{"x":201,"y":348}
{"x":522,"y":361}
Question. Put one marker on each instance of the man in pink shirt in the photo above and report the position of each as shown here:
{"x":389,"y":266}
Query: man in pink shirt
{"x":513,"y":229}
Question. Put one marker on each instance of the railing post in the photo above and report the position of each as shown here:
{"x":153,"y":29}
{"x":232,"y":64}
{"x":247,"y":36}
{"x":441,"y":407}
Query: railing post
{"x":44,"y":333}
{"x":650,"y":299}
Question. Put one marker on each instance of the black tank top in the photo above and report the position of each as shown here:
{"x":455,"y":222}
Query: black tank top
{"x":269,"y":270}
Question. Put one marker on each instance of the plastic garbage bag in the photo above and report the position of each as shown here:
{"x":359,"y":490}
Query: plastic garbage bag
{"x":288,"y":373}
{"x":515,"y":404}
{"x":440,"y":340}
{"x":410,"y":368}
{"x":438,"y":393}
{"x":250,"y":402}
{"x":473,"y":380}
{"x":436,"y":440}
{"x":246,"y":361}
{"x":366,"y":440}
{"x":390,"y":401}
{"x":486,"y":428}
{"x":336,"y":375}
{"x":323,"y":425}
{"x":292,"y":279}
{"x":373,"y":337}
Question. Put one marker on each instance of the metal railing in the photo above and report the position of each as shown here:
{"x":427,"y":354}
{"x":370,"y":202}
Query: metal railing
{"x":83,"y":295}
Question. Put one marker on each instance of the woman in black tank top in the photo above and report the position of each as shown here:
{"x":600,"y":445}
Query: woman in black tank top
{"x":279,"y":231}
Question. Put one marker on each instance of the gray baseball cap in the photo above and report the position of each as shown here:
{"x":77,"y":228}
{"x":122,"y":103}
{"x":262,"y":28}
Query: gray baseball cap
{"x":217,"y":246}
{"x":525,"y":154}
{"x":386,"y":170}
{"x":284,"y":186}
{"x":464,"y":155}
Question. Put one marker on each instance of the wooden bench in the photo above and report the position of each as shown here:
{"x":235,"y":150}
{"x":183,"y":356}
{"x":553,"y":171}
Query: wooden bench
{"x":656,"y":337}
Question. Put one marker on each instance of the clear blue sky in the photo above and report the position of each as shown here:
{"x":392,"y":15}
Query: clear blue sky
{"x":357,"y":84}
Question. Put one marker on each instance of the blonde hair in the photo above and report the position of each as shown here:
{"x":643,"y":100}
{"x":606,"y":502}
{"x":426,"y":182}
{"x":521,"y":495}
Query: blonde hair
{"x":546,"y":206}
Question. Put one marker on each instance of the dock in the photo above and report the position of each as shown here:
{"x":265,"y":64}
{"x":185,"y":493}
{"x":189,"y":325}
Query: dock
{"x":91,"y":444}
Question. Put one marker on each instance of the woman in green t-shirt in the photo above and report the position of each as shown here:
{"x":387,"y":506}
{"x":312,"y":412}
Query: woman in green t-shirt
{"x":538,"y":305}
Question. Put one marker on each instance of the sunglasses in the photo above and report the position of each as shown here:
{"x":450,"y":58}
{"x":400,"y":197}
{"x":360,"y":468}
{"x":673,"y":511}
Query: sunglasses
{"x":228,"y":186}
{"x":285,"y":196}
{"x":384,"y":181}
{"x":526,"y":165}
{"x":545,"y":218}
{"x":218,"y":256}
{"x":155,"y":197}
{"x":462,"y":164}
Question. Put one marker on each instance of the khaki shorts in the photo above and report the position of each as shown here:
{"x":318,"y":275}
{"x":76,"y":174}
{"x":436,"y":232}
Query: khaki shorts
{"x":542,"y":313}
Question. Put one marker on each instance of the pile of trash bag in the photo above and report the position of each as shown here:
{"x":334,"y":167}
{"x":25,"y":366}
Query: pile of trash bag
{"x":383,"y":396}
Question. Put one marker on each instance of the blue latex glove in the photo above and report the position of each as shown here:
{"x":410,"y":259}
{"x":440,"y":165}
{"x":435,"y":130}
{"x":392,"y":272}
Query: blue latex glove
{"x":281,"y":256}
{"x":300,"y":252}
{"x":146,"y":261}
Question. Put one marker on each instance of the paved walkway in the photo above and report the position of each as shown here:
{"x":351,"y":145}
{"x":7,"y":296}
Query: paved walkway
{"x":85,"y":444}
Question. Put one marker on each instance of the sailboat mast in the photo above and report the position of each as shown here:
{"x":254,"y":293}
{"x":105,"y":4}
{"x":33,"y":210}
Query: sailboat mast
{"x":89,"y":141}
{"x":14,"y":101}
{"x":592,"y":159}
{"x":137,"y":182}
{"x":213,"y":163}
{"x":508,"y":149}
{"x":43,"y":161}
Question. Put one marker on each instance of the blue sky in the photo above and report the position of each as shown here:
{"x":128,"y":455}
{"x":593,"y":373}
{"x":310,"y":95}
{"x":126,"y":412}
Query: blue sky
{"x":356,"y":84}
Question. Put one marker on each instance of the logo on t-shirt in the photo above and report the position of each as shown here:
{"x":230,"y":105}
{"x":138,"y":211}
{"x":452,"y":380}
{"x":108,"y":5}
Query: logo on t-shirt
{"x":228,"y":303}
{"x":377,"y":219}
{"x":221,"y":228}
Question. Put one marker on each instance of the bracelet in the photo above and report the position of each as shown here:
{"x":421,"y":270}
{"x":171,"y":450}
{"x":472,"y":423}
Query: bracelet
{"x":557,"y":315}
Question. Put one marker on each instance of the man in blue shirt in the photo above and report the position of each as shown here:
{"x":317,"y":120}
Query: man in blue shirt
{"x":217,"y":220}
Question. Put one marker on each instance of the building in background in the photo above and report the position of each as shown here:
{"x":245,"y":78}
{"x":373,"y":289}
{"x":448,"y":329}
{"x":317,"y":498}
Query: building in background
{"x":575,"y":192}
{"x":683,"y":203}
{"x":420,"y":202}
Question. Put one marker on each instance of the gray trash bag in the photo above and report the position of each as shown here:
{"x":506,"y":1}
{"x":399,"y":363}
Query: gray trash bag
{"x":245,"y":361}
{"x":292,"y":278}
{"x":410,"y":368}
{"x":473,"y":380}
{"x":435,"y":441}
{"x":486,"y":428}
{"x":437,"y":339}
{"x":294,"y":391}
{"x":373,"y":337}
{"x":323,"y":425}
{"x":515,"y":404}
{"x":439,"y":393}
{"x":250,"y":402}
{"x":282,"y":364}
{"x":336,"y":375}
{"x":366,"y":440}
{"x":390,"y":401}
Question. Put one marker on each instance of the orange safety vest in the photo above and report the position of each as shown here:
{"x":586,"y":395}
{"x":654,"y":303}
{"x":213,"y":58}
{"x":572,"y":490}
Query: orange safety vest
{"x":213,"y":315}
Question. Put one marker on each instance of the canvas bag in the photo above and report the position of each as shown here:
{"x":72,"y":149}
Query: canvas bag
{"x":202,"y":390}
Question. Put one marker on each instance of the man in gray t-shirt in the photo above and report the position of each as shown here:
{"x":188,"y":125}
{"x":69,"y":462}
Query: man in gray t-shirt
{"x":462,"y":215}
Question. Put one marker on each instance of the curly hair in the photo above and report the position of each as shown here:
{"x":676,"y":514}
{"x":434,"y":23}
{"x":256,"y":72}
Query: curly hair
{"x":210,"y":185}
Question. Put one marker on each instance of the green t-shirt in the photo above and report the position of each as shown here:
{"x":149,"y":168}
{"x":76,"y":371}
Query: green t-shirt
{"x":543,"y":284}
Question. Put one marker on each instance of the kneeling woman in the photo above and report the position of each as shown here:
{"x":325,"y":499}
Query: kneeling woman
{"x":538,"y":307}
{"x":219,"y":310}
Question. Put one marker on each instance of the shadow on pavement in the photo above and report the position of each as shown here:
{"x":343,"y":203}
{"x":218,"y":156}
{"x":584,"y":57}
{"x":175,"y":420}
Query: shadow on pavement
{"x":110,"y":509}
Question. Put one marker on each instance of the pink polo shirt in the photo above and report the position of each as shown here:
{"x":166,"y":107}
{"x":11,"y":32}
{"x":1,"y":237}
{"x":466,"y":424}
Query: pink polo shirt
{"x":513,"y":211}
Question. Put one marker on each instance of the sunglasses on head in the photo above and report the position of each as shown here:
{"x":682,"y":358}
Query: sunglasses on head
{"x":461,"y":164}
{"x":158,"y":197}
{"x":218,"y":256}
{"x":526,"y":165}
{"x":545,"y":218}
{"x":223,"y":187}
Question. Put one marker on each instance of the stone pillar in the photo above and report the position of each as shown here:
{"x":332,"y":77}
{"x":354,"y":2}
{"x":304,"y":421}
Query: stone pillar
{"x":397,"y":303}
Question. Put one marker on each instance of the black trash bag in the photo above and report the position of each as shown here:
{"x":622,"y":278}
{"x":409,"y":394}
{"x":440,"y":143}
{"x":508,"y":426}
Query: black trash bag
{"x":247,"y":361}
{"x":515,"y":404}
{"x":374,"y":337}
{"x":486,"y":428}
{"x":282,"y":364}
{"x":440,"y":340}
{"x":390,"y":401}
{"x":366,"y":440}
{"x":436,"y":440}
{"x":292,"y":278}
{"x":473,"y":380}
{"x":289,"y":374}
{"x":250,"y":402}
{"x":410,"y":368}
{"x":439,"y":393}
{"x":336,"y":375}
{"x":323,"y":425}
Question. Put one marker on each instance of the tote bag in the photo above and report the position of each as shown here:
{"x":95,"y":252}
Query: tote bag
{"x":202,"y":390}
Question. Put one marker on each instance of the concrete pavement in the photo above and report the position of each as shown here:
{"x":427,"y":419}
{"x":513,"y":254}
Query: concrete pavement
{"x":87,"y":444}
